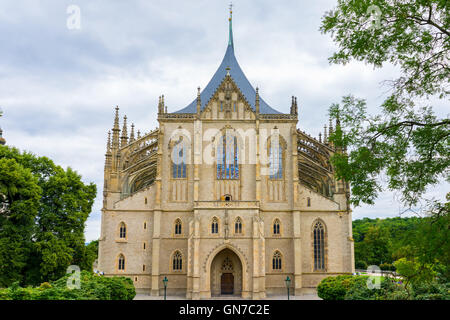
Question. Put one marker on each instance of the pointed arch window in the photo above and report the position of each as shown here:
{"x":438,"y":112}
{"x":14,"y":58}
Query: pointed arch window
{"x":276,"y":261}
{"x":215,"y":226}
{"x":238,"y":226}
{"x":178,"y":226}
{"x":276,"y":161}
{"x":121,"y":262}
{"x":228,"y":158}
{"x":122,"y":231}
{"x":319,"y":246}
{"x":179,"y":161}
{"x":276,"y":226}
{"x":177,"y":261}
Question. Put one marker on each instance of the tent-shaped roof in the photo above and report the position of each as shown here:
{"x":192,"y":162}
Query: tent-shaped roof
{"x":229,"y":63}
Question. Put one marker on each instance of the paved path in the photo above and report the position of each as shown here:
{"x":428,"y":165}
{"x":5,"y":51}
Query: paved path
{"x":302,"y":297}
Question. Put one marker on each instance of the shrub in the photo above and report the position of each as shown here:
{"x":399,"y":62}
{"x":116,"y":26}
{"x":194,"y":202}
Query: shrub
{"x":92,"y":287}
{"x":387,"y":267}
{"x":431,"y":291}
{"x":5,"y":294}
{"x":362,"y":265}
{"x":334,"y":288}
{"x":359,"y":290}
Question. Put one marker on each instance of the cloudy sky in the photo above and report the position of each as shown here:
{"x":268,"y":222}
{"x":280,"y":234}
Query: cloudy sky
{"x":59,"y":83}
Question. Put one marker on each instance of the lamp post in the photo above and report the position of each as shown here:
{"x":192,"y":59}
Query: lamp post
{"x":165,"y":286}
{"x":288,"y":282}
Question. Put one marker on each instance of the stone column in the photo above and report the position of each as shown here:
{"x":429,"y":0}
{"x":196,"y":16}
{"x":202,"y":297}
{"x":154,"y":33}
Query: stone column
{"x":258,"y":286}
{"x":198,"y":154}
{"x":294,"y":160}
{"x":196,"y":259}
{"x":155,"y":252}
{"x":297,"y":253}
{"x":257,"y":165}
{"x":189,"y":261}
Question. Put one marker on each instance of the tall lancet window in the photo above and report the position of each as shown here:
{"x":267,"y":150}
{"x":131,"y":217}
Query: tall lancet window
{"x":177,"y":261}
{"x":215,"y":225}
{"x":238,"y":226}
{"x":276,"y":161}
{"x":179,"y":161}
{"x":319,"y":246}
{"x":121,"y":262}
{"x":276,"y":261}
{"x":228,"y":158}
{"x":178,"y":226}
{"x":123,"y":231}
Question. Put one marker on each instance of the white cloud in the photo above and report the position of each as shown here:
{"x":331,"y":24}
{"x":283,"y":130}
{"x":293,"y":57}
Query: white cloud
{"x":58,"y":87}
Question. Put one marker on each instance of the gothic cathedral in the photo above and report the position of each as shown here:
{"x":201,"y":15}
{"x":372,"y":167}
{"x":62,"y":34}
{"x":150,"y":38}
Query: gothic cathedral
{"x":225,"y":197}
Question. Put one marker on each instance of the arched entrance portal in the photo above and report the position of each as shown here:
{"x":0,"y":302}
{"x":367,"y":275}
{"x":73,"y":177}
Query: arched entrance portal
{"x":226,"y":274}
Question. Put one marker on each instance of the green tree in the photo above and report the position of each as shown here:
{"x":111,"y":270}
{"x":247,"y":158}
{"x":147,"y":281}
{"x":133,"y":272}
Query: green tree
{"x":375,"y":248}
{"x":19,"y":202}
{"x":90,"y":255}
{"x":58,"y":225}
{"x":406,"y":140}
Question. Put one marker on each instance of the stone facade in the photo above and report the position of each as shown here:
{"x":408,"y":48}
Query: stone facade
{"x":241,"y":232}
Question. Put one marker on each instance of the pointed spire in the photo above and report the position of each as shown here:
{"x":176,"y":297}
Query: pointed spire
{"x":108,"y":143}
{"x":330,"y":127}
{"x":116,"y":119}
{"x":320,"y":137}
{"x":132,"y":133}
{"x":116,"y":130}
{"x":139,"y":134}
{"x":230,"y":36}
{"x":163,"y":107}
{"x":124,"y":137}
{"x":292,"y":105}
{"x":199,"y":101}
{"x":296,"y":106}
{"x":257,"y":101}
{"x":108,"y":155}
{"x":325,"y":138}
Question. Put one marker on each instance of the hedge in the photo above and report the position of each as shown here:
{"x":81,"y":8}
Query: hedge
{"x":92,"y":287}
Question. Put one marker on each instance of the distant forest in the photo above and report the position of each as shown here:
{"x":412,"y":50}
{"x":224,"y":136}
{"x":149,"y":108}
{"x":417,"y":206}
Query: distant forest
{"x":382,"y":241}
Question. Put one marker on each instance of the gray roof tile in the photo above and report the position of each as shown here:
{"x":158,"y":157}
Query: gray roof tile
{"x":239,"y":78}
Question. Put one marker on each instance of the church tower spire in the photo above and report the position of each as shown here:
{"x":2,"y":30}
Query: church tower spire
{"x":230,"y":37}
{"x":116,"y":130}
{"x":124,"y":137}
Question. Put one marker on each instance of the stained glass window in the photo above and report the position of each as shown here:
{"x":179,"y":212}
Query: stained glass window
{"x":228,"y":158}
{"x":276,"y":226}
{"x":179,"y":161}
{"x":276,"y":261}
{"x":178,"y":226}
{"x":238,"y":226}
{"x":123,"y":231}
{"x":276,"y":162}
{"x":319,"y":246}
{"x":121,"y":264}
{"x":215,"y":225}
{"x":177,"y":261}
